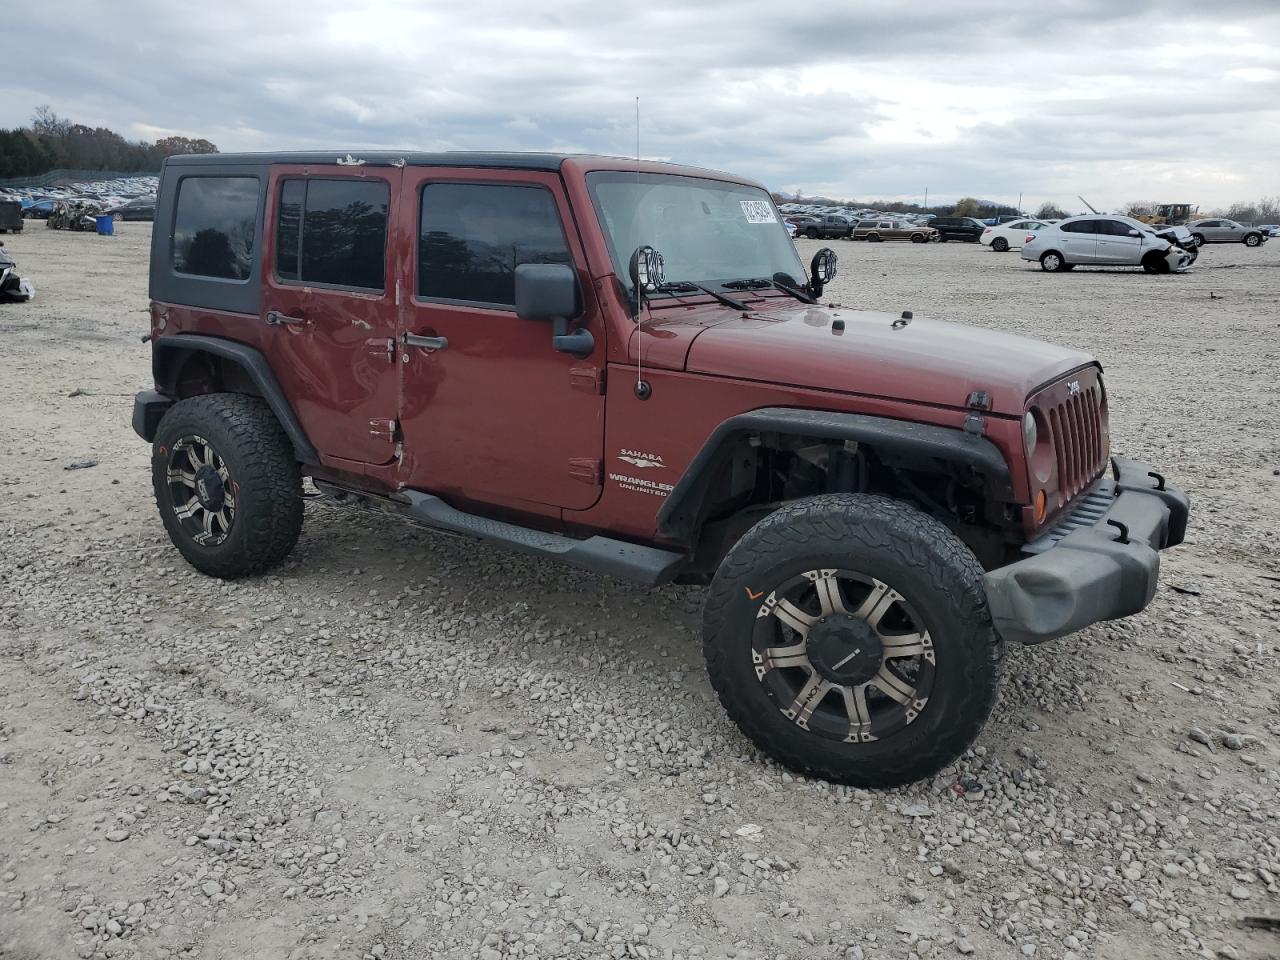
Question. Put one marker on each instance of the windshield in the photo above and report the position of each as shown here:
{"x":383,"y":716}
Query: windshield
{"x":707,"y":231}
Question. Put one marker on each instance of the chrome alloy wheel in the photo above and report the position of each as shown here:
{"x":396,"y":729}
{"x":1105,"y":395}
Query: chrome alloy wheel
{"x":201,"y":491}
{"x":843,"y":655}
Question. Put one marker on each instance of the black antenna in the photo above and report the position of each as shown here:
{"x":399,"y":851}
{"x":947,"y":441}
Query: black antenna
{"x":642,"y":389}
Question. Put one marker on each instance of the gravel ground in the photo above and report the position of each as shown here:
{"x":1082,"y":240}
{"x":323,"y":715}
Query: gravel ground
{"x":404,"y":745}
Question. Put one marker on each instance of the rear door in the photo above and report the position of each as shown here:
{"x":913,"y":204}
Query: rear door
{"x":1079,"y":240}
{"x":329,"y":305}
{"x":490,"y":411}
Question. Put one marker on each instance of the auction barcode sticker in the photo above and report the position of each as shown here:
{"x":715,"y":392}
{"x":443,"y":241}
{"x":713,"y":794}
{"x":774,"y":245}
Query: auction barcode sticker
{"x":758,"y":211}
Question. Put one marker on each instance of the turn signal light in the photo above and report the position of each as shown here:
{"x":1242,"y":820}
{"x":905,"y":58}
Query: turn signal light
{"x":1040,"y":504}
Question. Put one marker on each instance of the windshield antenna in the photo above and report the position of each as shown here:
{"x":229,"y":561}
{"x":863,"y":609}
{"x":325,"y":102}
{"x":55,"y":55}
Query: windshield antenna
{"x":642,"y":389}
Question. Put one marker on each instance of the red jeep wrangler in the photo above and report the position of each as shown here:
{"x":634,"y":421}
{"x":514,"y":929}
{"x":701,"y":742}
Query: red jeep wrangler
{"x":624,"y":366}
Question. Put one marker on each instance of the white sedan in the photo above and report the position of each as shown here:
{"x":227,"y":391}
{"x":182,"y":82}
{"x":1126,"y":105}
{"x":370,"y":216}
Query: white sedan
{"x":1010,"y":236}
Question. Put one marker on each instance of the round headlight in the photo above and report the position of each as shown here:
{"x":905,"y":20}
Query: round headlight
{"x":1029,"y":433}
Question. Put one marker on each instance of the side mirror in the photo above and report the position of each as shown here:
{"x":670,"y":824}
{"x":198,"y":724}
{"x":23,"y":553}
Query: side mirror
{"x":1135,"y":233}
{"x":549,"y":291}
{"x":822,"y":269}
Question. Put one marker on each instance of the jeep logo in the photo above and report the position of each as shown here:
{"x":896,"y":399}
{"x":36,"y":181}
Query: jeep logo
{"x":1073,"y":387}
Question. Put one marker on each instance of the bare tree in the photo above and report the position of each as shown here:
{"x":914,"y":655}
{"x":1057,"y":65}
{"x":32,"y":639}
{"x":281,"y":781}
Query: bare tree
{"x":1050,"y":211}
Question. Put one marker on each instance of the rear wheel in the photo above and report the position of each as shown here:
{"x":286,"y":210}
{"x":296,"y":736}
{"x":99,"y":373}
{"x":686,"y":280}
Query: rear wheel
{"x":1252,"y":239}
{"x":848,"y":637}
{"x":1000,"y":245}
{"x":227,"y":484}
{"x":1053,"y":262}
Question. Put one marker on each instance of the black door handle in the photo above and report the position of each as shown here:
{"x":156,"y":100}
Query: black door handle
{"x":426,"y":343}
{"x":276,"y":318}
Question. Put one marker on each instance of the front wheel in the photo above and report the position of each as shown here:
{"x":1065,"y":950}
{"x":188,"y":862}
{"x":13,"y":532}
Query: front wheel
{"x":1000,"y":245}
{"x":1198,"y":239}
{"x":848,"y":637}
{"x":1155,"y":263}
{"x":227,"y":484}
{"x":917,"y":238}
{"x":1252,"y":239}
{"x":873,"y":238}
{"x":811,"y":233}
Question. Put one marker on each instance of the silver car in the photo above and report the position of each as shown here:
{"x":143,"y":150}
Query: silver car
{"x":1102,"y":241}
{"x":1226,"y":231}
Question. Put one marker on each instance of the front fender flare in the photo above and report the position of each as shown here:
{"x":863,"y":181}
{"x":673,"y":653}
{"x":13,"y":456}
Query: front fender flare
{"x":677,"y":520}
{"x":169,"y":353}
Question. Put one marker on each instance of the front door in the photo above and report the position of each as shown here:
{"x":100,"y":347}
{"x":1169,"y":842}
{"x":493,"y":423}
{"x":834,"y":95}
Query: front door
{"x":329,"y":306}
{"x":490,"y":411}
{"x":1115,"y":246}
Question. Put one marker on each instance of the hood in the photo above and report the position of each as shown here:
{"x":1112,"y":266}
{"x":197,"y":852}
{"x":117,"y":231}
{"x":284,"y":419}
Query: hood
{"x":923,"y":361}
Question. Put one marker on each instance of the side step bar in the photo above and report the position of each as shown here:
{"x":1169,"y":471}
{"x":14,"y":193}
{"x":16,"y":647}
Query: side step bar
{"x":629,"y":561}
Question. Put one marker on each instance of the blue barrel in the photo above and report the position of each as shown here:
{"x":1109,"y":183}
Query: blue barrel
{"x":106,"y":227}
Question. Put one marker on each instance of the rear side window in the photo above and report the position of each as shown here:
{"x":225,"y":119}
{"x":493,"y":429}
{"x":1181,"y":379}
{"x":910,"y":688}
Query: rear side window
{"x":472,"y":236}
{"x":1080,"y":226}
{"x":333,"y":232}
{"x":213,"y":227}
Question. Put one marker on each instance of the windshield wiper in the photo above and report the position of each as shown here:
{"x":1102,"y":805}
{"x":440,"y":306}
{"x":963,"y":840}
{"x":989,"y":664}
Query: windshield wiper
{"x":688,"y":285}
{"x":763,"y":283}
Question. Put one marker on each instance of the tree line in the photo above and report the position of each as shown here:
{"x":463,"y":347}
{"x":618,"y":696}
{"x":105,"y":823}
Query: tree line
{"x":52,"y":142}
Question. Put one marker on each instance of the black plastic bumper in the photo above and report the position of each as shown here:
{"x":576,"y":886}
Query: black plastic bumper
{"x":1099,"y":563}
{"x":148,"y":407}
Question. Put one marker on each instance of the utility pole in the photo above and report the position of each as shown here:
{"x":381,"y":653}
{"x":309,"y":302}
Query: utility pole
{"x":926,"y":198}
{"x":1019,"y":203}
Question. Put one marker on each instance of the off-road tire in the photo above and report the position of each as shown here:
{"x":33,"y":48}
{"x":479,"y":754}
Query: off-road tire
{"x":1252,"y":240}
{"x":916,"y":556}
{"x":262,"y":466}
{"x":1000,"y":245}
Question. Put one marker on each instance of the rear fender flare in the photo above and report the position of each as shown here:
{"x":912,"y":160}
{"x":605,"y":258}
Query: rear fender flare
{"x":678,"y":519}
{"x":169,"y":354}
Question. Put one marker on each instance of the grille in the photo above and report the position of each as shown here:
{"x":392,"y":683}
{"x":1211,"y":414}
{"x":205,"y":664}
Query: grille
{"x":1076,"y":430}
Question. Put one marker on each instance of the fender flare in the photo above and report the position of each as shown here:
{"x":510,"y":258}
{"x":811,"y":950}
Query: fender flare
{"x":677,"y":519}
{"x":169,"y":353}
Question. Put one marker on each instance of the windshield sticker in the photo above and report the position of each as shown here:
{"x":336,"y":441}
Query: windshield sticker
{"x":758,"y":211}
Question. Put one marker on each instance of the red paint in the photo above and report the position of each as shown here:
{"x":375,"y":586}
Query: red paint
{"x":501,"y":423}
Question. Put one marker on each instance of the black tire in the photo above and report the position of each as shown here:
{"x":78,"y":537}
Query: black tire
{"x":1252,"y":240}
{"x":1198,"y":239}
{"x":923,"y":569}
{"x":942,"y":238}
{"x":1000,"y":245}
{"x":811,"y":233}
{"x":873,"y":238}
{"x":260,"y":473}
{"x":918,"y":238}
{"x":1051,"y":261}
{"x":1155,"y":262}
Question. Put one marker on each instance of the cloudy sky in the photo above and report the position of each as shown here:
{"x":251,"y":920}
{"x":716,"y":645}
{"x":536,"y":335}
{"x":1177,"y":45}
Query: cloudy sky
{"x":1118,"y":100}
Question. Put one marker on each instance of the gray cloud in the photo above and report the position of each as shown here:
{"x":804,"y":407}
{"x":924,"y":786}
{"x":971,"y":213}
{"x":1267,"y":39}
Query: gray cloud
{"x":1119,"y":101}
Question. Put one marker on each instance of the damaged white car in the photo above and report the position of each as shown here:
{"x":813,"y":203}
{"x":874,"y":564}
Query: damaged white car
{"x":1103,"y":241}
{"x":12,"y":287}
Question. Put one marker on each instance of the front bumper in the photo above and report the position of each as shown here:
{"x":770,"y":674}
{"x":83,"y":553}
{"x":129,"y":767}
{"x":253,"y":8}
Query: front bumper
{"x":1100,"y":562}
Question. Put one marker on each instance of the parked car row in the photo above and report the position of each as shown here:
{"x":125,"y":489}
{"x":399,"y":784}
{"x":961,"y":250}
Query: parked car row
{"x":127,"y":198}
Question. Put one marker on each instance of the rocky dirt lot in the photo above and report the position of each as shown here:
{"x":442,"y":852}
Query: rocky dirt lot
{"x":407,"y":746}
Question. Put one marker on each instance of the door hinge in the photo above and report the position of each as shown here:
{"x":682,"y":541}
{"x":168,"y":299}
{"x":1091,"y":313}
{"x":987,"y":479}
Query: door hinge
{"x":587,"y":470}
{"x":383,"y":430}
{"x":588,"y":379}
